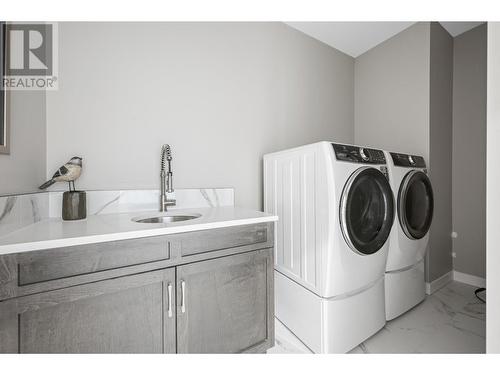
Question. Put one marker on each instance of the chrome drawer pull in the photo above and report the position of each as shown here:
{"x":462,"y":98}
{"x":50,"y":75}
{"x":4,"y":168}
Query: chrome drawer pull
{"x":183,"y":298}
{"x":169,"y":288}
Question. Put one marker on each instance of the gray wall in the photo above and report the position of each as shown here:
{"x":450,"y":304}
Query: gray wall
{"x":492,"y":189}
{"x":398,"y":109}
{"x":25,"y":168}
{"x":392,"y":93}
{"x":221,"y":94}
{"x":469,"y":168}
{"x":439,"y":260}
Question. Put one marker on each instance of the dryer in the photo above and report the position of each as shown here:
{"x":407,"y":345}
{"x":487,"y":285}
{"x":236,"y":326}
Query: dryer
{"x":404,"y":276}
{"x":336,"y":210}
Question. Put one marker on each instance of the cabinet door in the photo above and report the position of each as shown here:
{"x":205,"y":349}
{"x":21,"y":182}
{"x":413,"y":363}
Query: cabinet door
{"x":123,"y":315}
{"x":225,"y":305}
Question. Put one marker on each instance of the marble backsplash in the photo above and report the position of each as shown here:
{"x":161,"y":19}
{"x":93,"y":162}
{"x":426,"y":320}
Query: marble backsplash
{"x":18,"y":211}
{"x":120,"y":201}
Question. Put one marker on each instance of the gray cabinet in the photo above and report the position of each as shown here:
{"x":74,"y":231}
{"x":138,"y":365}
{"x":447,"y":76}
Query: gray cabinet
{"x":124,"y":315}
{"x":225,"y":305}
{"x":201,"y":292}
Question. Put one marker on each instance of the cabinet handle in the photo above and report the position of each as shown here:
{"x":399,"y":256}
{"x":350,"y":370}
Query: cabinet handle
{"x":183,"y":296}
{"x":169,"y":289}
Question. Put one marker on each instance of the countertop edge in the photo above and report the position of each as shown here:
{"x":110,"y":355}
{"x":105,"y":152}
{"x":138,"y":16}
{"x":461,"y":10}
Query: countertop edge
{"x":127,"y":235}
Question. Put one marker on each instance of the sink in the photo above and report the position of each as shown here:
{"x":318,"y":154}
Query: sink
{"x":165,"y":218}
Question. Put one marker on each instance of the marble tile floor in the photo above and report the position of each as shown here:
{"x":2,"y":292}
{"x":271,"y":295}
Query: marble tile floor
{"x":452,"y":320}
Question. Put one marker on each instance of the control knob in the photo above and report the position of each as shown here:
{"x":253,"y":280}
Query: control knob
{"x":364,"y":154}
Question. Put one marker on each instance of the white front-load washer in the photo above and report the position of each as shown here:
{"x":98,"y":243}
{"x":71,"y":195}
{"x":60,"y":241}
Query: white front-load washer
{"x":414,"y":202}
{"x":336,"y":210}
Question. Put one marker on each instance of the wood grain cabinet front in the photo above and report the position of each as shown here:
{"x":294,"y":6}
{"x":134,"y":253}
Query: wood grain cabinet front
{"x":132,"y":314}
{"x":225,"y":305}
{"x":201,"y":292}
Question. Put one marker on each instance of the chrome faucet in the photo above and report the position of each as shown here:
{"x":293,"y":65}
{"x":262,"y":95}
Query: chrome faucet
{"x":166,"y":184}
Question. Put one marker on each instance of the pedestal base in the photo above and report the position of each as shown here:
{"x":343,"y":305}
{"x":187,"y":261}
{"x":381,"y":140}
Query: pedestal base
{"x":74,"y":205}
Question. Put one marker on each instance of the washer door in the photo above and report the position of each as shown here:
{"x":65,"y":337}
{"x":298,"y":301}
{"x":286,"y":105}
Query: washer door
{"x":366,"y":210}
{"x":415,"y":204}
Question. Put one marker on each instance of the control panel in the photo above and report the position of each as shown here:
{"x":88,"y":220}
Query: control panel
{"x":355,"y":154}
{"x":409,"y":161}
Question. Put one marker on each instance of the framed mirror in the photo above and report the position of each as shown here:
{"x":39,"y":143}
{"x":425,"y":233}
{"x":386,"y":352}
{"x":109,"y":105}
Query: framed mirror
{"x":4,"y":123}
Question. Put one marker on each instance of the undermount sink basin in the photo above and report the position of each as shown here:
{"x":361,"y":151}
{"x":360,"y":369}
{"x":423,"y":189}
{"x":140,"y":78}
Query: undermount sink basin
{"x":165,"y":218}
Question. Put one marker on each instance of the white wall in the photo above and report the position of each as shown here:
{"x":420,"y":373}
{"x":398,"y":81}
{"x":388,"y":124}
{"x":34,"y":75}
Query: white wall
{"x":492,"y":189}
{"x":392,"y":93}
{"x":222,"y":94}
{"x":24,"y":169}
{"x":469,"y":168}
{"x":439,"y":259}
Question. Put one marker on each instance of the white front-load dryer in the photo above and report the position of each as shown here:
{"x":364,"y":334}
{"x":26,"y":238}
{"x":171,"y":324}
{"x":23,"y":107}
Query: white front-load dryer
{"x":336,"y":210}
{"x":414,"y":202}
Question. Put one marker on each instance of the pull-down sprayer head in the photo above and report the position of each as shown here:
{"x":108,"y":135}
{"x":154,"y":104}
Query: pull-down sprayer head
{"x":166,"y":183}
{"x":166,"y":154}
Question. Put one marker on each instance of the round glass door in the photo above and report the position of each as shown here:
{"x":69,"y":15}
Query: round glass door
{"x":366,"y":210}
{"x":415,"y":204}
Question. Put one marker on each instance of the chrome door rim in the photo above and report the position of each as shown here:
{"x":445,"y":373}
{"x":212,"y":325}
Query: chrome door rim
{"x":403,"y":221}
{"x":343,"y":208}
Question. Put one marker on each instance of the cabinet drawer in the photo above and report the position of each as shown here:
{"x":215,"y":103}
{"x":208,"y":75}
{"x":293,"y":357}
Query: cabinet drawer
{"x":54,"y":264}
{"x":219,"y":239}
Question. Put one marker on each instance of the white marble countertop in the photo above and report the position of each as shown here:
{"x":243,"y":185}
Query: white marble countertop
{"x":54,"y":233}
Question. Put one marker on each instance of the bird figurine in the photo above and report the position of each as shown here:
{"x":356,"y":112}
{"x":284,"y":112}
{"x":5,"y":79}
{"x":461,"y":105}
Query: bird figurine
{"x":69,"y":172}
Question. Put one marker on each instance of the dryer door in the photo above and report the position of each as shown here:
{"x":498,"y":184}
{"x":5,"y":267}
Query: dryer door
{"x":366,"y":210}
{"x":415,"y":204}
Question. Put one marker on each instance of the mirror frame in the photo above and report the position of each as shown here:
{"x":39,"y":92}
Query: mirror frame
{"x":4,"y":118}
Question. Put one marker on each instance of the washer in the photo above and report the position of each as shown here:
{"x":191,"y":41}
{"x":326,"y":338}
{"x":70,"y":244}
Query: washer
{"x":414,"y":202}
{"x":336,"y":210}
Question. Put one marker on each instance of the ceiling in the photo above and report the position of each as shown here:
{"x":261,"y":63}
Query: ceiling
{"x":355,"y":38}
{"x":457,"y":28}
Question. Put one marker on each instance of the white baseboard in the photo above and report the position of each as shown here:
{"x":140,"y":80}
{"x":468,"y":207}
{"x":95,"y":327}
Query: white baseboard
{"x":465,"y":278}
{"x":461,"y":277}
{"x":438,"y":283}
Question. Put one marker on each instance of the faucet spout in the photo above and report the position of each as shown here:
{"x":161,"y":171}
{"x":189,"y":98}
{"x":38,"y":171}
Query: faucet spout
{"x":166,"y":179}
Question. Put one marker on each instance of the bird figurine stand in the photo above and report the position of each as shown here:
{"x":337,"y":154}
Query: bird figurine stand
{"x":74,"y":205}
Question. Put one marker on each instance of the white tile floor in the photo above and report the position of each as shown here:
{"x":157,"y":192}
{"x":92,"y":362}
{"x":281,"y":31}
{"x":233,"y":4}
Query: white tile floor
{"x":452,"y":320}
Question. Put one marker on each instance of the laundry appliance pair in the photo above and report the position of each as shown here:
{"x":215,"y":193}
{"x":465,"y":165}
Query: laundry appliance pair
{"x":350,"y":240}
